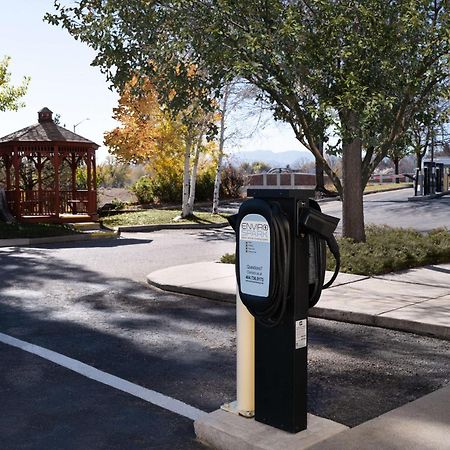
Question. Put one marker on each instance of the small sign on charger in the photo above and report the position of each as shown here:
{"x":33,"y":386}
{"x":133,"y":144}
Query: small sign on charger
{"x":300,"y":333}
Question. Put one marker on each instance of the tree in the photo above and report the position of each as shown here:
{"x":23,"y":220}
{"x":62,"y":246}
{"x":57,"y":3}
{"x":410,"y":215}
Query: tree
{"x":113,"y":174}
{"x":254,"y":167}
{"x":428,"y":129}
{"x":9,"y":100}
{"x":346,"y":65}
{"x":197,"y":133}
{"x":10,"y":95}
{"x":398,"y":151}
{"x":224,"y":109}
{"x":149,"y":134}
{"x":238,"y":102}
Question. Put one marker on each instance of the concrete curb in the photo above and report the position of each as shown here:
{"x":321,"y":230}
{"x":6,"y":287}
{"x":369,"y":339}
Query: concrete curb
{"x":58,"y":239}
{"x":421,"y":198}
{"x":226,"y":431}
{"x":196,"y":292}
{"x":408,"y":326}
{"x":425,"y":329}
{"x":169,"y":226}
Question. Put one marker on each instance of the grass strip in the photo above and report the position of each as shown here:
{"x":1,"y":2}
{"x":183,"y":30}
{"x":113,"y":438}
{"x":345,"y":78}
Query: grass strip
{"x":387,"y":250}
{"x":33,"y":230}
{"x":386,"y":186}
{"x":161,"y":217}
{"x":377,"y":187}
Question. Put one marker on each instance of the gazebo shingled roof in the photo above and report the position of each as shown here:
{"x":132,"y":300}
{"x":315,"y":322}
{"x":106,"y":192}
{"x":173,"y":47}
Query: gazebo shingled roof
{"x":46,"y":130}
{"x":39,"y":144}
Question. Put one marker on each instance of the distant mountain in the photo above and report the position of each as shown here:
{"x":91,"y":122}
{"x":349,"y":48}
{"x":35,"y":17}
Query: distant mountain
{"x":281,"y":159}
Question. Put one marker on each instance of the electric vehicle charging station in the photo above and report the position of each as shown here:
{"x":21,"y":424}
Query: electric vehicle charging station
{"x":281,"y":239}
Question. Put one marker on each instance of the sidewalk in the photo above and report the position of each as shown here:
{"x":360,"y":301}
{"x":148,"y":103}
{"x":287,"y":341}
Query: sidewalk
{"x":416,"y":301}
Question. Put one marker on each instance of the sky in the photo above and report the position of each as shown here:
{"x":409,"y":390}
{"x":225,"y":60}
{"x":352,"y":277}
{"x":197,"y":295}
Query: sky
{"x":63,"y":80}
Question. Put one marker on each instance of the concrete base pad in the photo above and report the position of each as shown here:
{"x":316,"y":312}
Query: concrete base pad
{"x":226,"y":431}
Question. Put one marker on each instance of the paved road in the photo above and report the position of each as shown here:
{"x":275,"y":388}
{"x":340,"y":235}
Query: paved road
{"x":133,"y":256}
{"x":393,"y":208}
{"x":88,"y":301}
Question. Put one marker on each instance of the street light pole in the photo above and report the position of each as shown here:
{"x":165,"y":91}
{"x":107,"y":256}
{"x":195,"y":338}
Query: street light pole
{"x":81,"y":121}
{"x":433,"y":167}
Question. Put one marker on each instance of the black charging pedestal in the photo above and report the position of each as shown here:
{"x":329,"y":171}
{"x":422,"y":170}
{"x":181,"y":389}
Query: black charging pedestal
{"x":281,"y":351}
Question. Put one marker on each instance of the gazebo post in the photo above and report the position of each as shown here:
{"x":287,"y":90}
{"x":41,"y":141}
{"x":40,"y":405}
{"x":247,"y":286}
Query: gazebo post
{"x":94,"y":183}
{"x":89,"y":181}
{"x":8,"y":164}
{"x":73,"y":167}
{"x":39,"y":168}
{"x":57,"y":188}
{"x":16,"y":165}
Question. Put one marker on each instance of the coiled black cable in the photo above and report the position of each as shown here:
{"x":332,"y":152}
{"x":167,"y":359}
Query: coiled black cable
{"x":317,"y":246}
{"x":272,"y":314}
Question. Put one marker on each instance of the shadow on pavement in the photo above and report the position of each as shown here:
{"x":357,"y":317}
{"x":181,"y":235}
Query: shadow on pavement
{"x":184,"y":347}
{"x":102,"y":243}
{"x":226,"y":234}
{"x":438,"y":269}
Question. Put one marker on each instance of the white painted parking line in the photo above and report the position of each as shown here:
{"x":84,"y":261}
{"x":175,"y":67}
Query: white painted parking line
{"x":148,"y":395}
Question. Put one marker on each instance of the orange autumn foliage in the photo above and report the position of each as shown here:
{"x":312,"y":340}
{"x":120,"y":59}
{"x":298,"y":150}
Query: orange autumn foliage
{"x":147,"y":133}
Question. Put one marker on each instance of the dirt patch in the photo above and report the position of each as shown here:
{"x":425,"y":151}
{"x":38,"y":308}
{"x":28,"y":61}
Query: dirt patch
{"x":108,"y":195}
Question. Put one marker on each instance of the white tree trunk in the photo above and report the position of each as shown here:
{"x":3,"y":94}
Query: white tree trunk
{"x":186,"y":179}
{"x":218,"y":179}
{"x":194,"y":177}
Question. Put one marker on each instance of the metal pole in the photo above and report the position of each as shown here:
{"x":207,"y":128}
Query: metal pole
{"x":432,"y":168}
{"x":80,"y":122}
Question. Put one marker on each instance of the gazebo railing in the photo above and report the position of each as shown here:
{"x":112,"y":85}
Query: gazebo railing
{"x":74,"y":202}
{"x":35,"y":203}
{"x":43,"y":203}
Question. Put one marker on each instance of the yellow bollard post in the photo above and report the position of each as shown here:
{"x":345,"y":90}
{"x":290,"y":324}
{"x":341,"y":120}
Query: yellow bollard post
{"x":245,"y":373}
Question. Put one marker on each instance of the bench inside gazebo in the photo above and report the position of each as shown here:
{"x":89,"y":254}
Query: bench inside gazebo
{"x":40,"y":165}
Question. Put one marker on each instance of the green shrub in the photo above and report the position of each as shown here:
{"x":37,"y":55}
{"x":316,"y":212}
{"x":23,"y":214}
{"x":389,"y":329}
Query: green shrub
{"x":117,"y":204}
{"x":228,"y":258}
{"x":143,"y":190}
{"x":233,"y":180}
{"x":159,"y":188}
{"x":205,"y":185}
{"x":392,"y":249}
{"x":167,"y":187}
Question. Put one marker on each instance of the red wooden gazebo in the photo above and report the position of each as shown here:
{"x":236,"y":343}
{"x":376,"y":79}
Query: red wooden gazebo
{"x":40,"y":166}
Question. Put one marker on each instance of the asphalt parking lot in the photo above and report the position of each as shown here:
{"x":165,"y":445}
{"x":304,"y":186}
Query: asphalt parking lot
{"x":179,"y":346}
{"x":88,"y":301}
